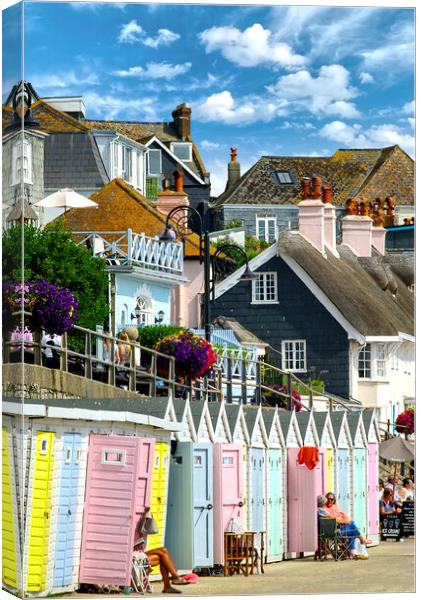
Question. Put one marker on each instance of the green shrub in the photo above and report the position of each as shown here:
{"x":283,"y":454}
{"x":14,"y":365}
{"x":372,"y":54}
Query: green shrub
{"x":150,"y":335}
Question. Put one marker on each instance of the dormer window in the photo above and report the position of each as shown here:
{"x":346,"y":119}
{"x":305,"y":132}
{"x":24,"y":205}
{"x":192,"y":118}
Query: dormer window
{"x":154,"y":162}
{"x":22,"y":162}
{"x":283,"y":177}
{"x":182,"y":150}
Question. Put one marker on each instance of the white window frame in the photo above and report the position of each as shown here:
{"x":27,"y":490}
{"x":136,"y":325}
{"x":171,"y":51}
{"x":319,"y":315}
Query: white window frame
{"x":22,"y":162}
{"x":299,"y":365}
{"x":364,"y":358}
{"x":160,"y":160}
{"x":373,"y":359}
{"x":266,"y":277}
{"x":266,"y":221}
{"x":184,"y":144}
{"x":119,"y":463}
{"x":380,"y":361}
{"x":145,"y":305}
{"x":290,"y":182}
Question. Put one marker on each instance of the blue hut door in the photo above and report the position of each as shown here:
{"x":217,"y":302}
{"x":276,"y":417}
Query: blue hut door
{"x":275,"y":503}
{"x":343,"y":484}
{"x":203,"y":505}
{"x":257,"y":498}
{"x":66,"y":522}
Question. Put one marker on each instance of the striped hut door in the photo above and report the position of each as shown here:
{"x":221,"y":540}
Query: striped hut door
{"x":10,"y":537}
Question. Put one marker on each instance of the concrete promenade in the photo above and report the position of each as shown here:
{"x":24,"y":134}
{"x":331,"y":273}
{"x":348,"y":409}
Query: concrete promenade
{"x":390,"y":568}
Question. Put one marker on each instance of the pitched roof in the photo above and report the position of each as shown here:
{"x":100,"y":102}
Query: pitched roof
{"x":303,"y":420}
{"x":285,"y":417}
{"x":250,"y":414}
{"x":353,"y":173}
{"x":353,"y":419}
{"x":214,"y":411}
{"x":156,"y":407}
{"x":268,"y":414}
{"x":197,"y":407}
{"x":348,"y":284}
{"x":337,"y":419}
{"x":121,"y":207}
{"x":232,"y":411}
{"x":241,"y":333}
{"x":320,"y":421}
{"x":368,"y":416}
{"x":50,"y":119}
{"x":72,"y":160}
{"x":179,"y":407}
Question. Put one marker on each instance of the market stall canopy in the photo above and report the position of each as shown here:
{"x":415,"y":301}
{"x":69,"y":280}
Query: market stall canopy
{"x":397,"y":449}
{"x":66,"y":198}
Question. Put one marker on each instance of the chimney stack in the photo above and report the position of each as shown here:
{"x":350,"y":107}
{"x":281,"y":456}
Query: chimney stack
{"x":234,"y":170}
{"x":379,"y":232}
{"x":311,"y":213}
{"x":181,"y":116}
{"x":357,"y":228}
{"x":329,"y":218}
{"x":168,"y":199}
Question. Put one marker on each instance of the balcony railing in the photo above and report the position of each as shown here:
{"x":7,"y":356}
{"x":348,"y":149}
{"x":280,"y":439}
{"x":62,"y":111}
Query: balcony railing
{"x":134,"y":249}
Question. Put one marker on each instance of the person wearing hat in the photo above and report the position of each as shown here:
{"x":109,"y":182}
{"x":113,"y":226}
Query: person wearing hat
{"x":406,"y":493}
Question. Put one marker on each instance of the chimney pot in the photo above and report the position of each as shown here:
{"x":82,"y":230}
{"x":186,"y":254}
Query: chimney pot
{"x":316,"y":184}
{"x":182,"y":120}
{"x":305,"y":187}
{"x":234,"y":170}
{"x":327,"y":194}
{"x":179,"y":180}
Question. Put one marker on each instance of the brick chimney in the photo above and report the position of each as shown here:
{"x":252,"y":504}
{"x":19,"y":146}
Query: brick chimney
{"x":329,"y":218}
{"x":357,"y":228}
{"x":234,"y":170}
{"x":169,"y":199}
{"x":182,"y":121}
{"x":378,"y":232}
{"x":311,"y":212}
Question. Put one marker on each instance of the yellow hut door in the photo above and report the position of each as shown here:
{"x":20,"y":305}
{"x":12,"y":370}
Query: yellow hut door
{"x":40,"y":513}
{"x":329,"y":453}
{"x":9,"y":538}
{"x":158,"y":496}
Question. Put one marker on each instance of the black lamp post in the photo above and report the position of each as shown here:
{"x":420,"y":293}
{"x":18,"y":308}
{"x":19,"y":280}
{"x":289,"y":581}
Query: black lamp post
{"x":183,"y":217}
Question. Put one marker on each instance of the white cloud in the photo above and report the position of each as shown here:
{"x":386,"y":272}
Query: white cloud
{"x":326,"y":94}
{"x":411,"y":122}
{"x":409,"y":108}
{"x":376,"y":136}
{"x":207,"y":145}
{"x":155,"y":71}
{"x":224,"y":108}
{"x":63,"y":80}
{"x":366,"y":77}
{"x":109,"y":107}
{"x":390,"y":61}
{"x":165,"y":37}
{"x":130,"y":33}
{"x":251,"y":47}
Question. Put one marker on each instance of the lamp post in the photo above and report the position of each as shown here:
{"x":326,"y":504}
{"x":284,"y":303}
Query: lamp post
{"x":183,"y":217}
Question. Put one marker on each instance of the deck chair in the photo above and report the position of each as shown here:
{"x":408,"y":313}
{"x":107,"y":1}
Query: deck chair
{"x":330,"y":540}
{"x":140,"y":573}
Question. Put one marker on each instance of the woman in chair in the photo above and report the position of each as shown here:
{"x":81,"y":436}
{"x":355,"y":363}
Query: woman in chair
{"x":347,"y":526}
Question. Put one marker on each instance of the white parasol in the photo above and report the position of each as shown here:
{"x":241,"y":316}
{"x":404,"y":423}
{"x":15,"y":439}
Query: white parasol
{"x":66,"y":198}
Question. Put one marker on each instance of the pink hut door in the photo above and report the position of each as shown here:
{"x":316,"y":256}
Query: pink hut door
{"x":372,"y":498}
{"x":228,"y":497}
{"x":117,"y":489}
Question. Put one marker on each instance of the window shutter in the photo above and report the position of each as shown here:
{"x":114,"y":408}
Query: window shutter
{"x":27,"y":158}
{"x":15,"y":164}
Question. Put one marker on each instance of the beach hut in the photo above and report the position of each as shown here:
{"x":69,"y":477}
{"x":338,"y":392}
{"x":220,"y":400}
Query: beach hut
{"x":189,"y":534}
{"x":62,"y":439}
{"x":373,"y":439}
{"x":239,"y":435}
{"x":11,"y":549}
{"x":305,"y":483}
{"x":358,"y":470}
{"x":220,"y":424}
{"x":343,"y":462}
{"x":327,"y":443}
{"x":202,"y":421}
{"x":255,"y":480}
{"x":276,"y":505}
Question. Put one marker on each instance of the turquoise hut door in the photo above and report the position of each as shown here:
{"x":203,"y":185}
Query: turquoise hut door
{"x":257,"y":498}
{"x":343,"y":484}
{"x":179,"y":529}
{"x":66,"y":521}
{"x":275,"y":542}
{"x":203,"y":505}
{"x":360,"y":486}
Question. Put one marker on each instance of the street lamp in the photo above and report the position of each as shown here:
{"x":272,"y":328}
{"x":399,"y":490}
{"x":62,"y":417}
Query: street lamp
{"x":160,"y":317}
{"x":184,"y":217}
{"x":137,"y":313}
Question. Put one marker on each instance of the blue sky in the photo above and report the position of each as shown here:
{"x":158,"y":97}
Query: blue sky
{"x":270,"y":80}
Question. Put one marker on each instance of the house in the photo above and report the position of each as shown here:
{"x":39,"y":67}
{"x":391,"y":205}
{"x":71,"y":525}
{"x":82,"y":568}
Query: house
{"x":84,"y":155}
{"x":170,"y":282}
{"x":265,"y":198}
{"x":343,"y":309}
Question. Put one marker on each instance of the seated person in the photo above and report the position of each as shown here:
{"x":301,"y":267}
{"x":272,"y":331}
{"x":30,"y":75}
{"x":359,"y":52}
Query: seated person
{"x":122,"y":356}
{"x":406,"y":492}
{"x":161,"y":557}
{"x":321,"y":510}
{"x":387,"y":506}
{"x":347,"y":527}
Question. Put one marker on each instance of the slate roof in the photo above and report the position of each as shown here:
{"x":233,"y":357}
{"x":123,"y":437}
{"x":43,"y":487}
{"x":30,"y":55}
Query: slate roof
{"x":268,"y":414}
{"x":353,"y":419}
{"x":303,"y":420}
{"x":120,"y":207}
{"x":156,"y":407}
{"x":353,"y":173}
{"x":285,"y":421}
{"x":250,"y":414}
{"x":72,"y":160}
{"x":348,"y":284}
{"x":214,"y":411}
{"x":179,"y":406}
{"x":368,"y":415}
{"x":232,"y":411}
{"x":337,"y":419}
{"x":320,"y":421}
{"x":241,"y":333}
{"x":196,"y":411}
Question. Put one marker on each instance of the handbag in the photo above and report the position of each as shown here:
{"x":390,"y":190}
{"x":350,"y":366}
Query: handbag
{"x":149,"y":526}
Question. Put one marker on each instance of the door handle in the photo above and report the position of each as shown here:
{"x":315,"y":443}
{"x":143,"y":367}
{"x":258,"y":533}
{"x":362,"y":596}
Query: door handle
{"x":46,"y":514}
{"x":69,"y":512}
{"x":209,"y":506}
{"x":240,"y":504}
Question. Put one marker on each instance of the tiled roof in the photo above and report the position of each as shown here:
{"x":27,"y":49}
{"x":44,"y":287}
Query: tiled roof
{"x":354,"y":290}
{"x":72,"y":160}
{"x":121,"y":207}
{"x":242,"y":334}
{"x":353,"y":173}
{"x":50,"y":119}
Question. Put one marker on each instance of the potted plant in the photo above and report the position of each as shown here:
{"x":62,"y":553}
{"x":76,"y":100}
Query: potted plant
{"x":273,"y":398}
{"x":194,"y":356}
{"x":405,"y":421}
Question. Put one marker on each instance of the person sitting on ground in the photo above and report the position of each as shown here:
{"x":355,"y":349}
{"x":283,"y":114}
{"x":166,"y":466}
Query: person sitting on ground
{"x":406,"y":493}
{"x":347,"y":526}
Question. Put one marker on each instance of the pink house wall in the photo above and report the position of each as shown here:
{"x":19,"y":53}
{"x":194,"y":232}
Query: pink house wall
{"x":185,"y":298}
{"x":372,"y":482}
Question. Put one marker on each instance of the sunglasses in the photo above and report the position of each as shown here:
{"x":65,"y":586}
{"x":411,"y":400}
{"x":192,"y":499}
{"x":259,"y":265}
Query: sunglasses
{"x":330,"y":499}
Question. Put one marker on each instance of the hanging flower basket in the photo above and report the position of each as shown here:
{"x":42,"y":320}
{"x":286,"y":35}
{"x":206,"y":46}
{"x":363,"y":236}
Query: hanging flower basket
{"x":53,"y":308}
{"x":274,"y":398}
{"x":194,"y":356}
{"x":405,"y":422}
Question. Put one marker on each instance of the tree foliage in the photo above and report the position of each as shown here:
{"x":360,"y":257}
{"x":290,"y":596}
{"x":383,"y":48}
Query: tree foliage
{"x":51,"y":254}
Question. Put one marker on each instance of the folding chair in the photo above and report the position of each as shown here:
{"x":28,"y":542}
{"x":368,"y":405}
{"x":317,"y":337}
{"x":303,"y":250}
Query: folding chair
{"x":140,"y":573}
{"x":330,"y":540}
